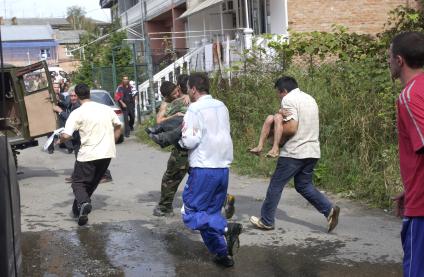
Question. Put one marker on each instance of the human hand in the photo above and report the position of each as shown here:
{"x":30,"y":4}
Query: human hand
{"x":400,"y":204}
{"x":57,"y":109}
{"x":285,"y":113}
{"x":186,"y":99}
{"x":179,"y":114}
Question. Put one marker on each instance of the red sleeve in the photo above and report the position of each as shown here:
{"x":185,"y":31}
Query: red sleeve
{"x":415,"y":107}
{"x":118,"y":94}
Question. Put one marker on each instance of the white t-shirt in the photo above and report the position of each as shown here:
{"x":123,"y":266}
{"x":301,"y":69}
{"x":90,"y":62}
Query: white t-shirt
{"x":206,"y":133}
{"x":95,"y":123}
{"x":305,"y":143}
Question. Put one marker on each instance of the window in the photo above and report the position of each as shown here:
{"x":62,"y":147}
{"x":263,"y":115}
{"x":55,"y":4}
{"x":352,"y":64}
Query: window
{"x":68,"y":52}
{"x":44,"y":53}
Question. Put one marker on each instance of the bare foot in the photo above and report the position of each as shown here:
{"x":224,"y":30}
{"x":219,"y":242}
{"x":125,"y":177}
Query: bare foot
{"x":273,"y":153}
{"x":257,"y":150}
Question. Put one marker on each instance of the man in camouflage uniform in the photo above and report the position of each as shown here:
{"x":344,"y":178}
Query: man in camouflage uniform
{"x":177,"y":165}
{"x":172,"y":109}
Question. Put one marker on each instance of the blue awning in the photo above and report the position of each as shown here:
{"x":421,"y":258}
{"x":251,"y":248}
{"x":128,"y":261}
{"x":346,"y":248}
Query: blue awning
{"x":16,"y":44}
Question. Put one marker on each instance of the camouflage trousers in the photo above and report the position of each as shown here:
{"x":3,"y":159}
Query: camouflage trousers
{"x":175,"y":171}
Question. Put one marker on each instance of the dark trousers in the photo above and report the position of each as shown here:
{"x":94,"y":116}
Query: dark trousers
{"x":76,"y":150}
{"x":176,"y":169}
{"x":302,"y":170}
{"x":85,"y":179}
{"x":169,"y":131}
{"x":129,"y":117}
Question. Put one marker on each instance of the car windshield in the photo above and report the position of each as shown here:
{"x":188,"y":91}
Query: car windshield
{"x":102,"y":98}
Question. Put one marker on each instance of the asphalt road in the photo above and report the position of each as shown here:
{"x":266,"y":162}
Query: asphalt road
{"x":122,"y":238}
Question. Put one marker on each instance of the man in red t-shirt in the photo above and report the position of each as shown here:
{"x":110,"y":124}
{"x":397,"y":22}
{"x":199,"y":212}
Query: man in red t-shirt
{"x":125,"y":99}
{"x":406,"y":61}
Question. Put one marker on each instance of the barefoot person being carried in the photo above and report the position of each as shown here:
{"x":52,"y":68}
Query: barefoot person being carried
{"x":272,"y":127}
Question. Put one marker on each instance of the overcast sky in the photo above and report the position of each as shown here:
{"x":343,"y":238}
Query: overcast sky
{"x":51,"y":8}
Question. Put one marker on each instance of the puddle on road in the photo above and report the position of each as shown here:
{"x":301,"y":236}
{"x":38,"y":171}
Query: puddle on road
{"x":132,"y":249}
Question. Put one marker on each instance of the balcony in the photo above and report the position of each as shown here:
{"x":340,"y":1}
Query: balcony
{"x":131,"y":15}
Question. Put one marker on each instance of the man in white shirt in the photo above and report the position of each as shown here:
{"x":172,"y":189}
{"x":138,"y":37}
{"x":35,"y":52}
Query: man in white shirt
{"x":99,"y":128}
{"x":298,"y":156}
{"x":206,"y":133}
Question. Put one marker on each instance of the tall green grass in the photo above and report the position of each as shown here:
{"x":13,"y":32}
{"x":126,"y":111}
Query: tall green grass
{"x":357,"y":126}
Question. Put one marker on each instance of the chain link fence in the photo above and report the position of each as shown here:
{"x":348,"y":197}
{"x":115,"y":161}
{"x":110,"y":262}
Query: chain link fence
{"x":105,"y":77}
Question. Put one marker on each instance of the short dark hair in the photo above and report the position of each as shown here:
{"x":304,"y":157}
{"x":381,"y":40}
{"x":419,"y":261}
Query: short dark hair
{"x":200,"y":81}
{"x":410,"y":46}
{"x":82,"y":91}
{"x":167,"y":88}
{"x":286,"y":83}
{"x":182,"y":82}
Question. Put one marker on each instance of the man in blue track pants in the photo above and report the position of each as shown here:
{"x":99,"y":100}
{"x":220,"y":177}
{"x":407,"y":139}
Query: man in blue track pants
{"x":406,"y":62}
{"x":206,"y":133}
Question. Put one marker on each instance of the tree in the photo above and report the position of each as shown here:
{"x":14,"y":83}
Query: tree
{"x":76,"y":16}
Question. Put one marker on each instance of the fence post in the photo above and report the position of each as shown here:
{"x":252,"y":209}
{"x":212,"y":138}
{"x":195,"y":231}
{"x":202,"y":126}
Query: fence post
{"x":113,"y":71}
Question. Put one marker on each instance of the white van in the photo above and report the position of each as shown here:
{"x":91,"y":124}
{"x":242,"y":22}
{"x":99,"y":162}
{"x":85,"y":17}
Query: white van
{"x":57,"y":74}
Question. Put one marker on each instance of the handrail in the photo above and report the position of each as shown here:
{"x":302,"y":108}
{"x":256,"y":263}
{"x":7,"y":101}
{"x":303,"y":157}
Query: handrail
{"x":170,"y":68}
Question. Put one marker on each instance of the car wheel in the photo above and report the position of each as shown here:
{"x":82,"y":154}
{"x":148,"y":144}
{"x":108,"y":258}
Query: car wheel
{"x":120,"y":140}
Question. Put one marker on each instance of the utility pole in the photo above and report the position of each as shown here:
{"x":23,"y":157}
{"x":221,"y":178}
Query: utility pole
{"x":136,"y":83}
{"x":148,"y":57}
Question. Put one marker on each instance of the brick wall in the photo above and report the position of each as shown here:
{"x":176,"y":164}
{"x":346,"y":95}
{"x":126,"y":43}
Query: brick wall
{"x":361,"y":16}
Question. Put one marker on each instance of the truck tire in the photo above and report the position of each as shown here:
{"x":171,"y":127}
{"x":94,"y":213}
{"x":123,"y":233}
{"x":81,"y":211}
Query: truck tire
{"x":10,"y":215}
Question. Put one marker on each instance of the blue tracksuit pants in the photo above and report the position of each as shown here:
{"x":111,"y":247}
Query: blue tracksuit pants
{"x":203,"y":197}
{"x":413,"y":246}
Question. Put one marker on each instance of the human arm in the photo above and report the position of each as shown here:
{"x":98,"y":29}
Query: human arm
{"x":117,"y":132}
{"x":160,"y":116}
{"x":63,"y":114}
{"x":119,"y":95}
{"x":400,"y":203}
{"x":71,"y":125}
{"x":290,"y":118}
{"x":117,"y":125}
{"x":191,"y":133}
{"x":123,"y":105}
{"x":63,"y":137}
{"x":414,"y":122}
{"x":186,"y":99}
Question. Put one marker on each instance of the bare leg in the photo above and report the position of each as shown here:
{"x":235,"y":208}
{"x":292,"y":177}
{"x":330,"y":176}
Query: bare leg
{"x":266,"y":128}
{"x":278,"y":132}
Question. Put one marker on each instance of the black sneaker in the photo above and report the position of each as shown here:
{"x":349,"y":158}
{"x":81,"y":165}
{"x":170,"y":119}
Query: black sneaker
{"x":85,"y":209}
{"x":159,"y":140}
{"x":232,"y":236}
{"x":160,"y":212}
{"x":229,"y":206}
{"x":153,"y":130}
{"x":226,"y":261}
